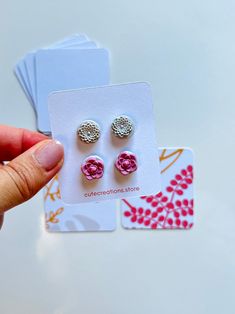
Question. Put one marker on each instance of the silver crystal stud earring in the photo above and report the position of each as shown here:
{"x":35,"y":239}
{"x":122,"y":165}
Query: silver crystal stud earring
{"x":122,"y":126}
{"x":88,"y":131}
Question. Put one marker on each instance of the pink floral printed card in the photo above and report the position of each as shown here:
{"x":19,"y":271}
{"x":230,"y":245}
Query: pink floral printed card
{"x":172,"y":208}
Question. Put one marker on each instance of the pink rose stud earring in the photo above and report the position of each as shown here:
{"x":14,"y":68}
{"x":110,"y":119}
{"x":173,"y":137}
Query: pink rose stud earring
{"x":93,"y":167}
{"x":126,"y":163}
{"x":122,"y":126}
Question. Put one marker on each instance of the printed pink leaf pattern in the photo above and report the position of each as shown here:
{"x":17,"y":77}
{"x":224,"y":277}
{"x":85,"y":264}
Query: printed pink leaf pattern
{"x":168,"y":210}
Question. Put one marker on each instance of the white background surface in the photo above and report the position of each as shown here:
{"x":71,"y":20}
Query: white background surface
{"x":185,"y":49}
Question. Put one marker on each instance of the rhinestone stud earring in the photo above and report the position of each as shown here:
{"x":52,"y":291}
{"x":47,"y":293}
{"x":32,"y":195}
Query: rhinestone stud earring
{"x":122,"y":126}
{"x":88,"y":131}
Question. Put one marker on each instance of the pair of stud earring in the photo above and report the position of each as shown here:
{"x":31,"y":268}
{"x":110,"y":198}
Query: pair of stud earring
{"x":93,"y":166}
{"x":89,"y":131}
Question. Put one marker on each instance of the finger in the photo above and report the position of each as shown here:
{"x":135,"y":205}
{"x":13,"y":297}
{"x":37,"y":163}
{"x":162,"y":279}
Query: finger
{"x":25,"y":175}
{"x":1,"y":220}
{"x":14,"y":141}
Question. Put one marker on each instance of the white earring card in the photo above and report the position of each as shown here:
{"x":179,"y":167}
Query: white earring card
{"x":68,"y":109}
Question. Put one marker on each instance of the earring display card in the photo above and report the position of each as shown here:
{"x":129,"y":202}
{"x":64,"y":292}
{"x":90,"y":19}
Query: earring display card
{"x":69,"y":109}
{"x":147,"y":212}
{"x":172,"y":208}
{"x":74,"y":62}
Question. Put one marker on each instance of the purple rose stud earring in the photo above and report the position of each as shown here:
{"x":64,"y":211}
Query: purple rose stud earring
{"x":88,"y":131}
{"x":93,"y":167}
{"x":122,"y":126}
{"x":126,"y":163}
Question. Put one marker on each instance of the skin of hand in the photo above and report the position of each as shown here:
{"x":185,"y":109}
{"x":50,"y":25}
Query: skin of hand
{"x":28,"y":160}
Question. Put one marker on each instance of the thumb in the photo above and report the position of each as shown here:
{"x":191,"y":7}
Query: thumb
{"x":25,"y":175}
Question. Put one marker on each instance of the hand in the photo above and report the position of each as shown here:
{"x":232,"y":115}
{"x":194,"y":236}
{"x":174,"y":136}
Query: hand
{"x":33,"y":158}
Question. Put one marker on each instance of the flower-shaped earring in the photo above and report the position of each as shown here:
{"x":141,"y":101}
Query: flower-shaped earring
{"x":88,"y":131}
{"x":122,"y":126}
{"x":126,"y":163}
{"x":93,"y":167}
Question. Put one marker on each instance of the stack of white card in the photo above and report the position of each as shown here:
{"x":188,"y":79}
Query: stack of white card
{"x":72,"y":63}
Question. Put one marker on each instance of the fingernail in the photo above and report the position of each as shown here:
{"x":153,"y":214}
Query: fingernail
{"x":49,"y":155}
